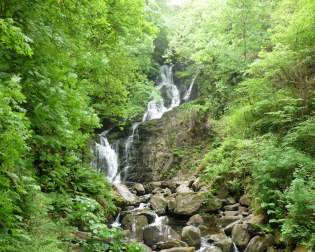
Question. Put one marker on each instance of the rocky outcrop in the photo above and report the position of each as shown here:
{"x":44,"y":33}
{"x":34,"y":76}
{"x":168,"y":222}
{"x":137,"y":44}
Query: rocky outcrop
{"x":160,"y":150}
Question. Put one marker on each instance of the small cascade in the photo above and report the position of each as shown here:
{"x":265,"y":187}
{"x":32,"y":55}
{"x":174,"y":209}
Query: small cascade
{"x":235,"y":249}
{"x":107,"y":158}
{"x":116,"y":223}
{"x":128,"y":148}
{"x":187,"y":95}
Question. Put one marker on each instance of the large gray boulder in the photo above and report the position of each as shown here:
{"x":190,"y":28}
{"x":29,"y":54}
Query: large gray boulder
{"x":240,"y":235}
{"x":192,"y":236}
{"x":187,"y":203}
{"x":127,"y":197}
{"x":260,"y":243}
{"x":153,"y":234}
{"x":159,"y":204}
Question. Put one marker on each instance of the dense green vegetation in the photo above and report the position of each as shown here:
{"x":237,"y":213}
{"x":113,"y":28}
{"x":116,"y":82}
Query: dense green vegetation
{"x":65,"y":66}
{"x":257,"y":80}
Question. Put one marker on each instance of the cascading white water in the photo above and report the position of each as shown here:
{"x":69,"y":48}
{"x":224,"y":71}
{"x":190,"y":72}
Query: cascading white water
{"x":191,"y":86}
{"x":128,"y":147}
{"x":107,"y":155}
{"x":156,"y":108}
{"x":107,"y":158}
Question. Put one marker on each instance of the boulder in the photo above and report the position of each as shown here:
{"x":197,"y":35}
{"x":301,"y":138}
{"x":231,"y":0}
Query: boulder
{"x":145,"y":198}
{"x":171,"y":184}
{"x":187,"y":203}
{"x":183,"y":189}
{"x":171,"y":203}
{"x":192,"y":236}
{"x":147,"y":213}
{"x":159,"y":204}
{"x":240,"y":235}
{"x":127,"y":197}
{"x":227,"y":220}
{"x":245,"y":200}
{"x":221,"y":241}
{"x":228,"y":229}
{"x":171,"y":244}
{"x":153,"y":234}
{"x":211,"y":203}
{"x":149,"y":187}
{"x":195,"y":220}
{"x":233,"y":207}
{"x":135,"y":223}
{"x":259,"y":243}
{"x":139,"y":188}
{"x":256,"y":219}
{"x":179,"y":249}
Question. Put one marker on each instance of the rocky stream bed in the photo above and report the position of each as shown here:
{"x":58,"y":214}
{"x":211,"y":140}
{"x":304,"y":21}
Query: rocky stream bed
{"x":181,"y":216}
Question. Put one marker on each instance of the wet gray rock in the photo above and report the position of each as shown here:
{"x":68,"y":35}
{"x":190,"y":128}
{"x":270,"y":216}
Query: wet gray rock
{"x":139,"y":188}
{"x":260,"y":244}
{"x":233,"y":207}
{"x":211,"y":203}
{"x":241,"y":235}
{"x":127,"y":197}
{"x":159,"y":204}
{"x":183,"y":189}
{"x":192,"y":236}
{"x":227,"y":220}
{"x":195,"y":220}
{"x":151,"y":186}
{"x":187,"y":203}
{"x":135,"y":223}
{"x":170,"y":184}
{"x":150,"y":215}
{"x":221,"y":241}
{"x":171,"y":244}
{"x":228,"y":229}
{"x":152,"y":235}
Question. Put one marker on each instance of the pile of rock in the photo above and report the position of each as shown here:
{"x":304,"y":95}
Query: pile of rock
{"x":213,"y":224}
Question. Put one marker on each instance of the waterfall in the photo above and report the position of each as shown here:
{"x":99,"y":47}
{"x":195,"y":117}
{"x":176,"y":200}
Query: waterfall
{"x":107,"y":158}
{"x":191,"y":86}
{"x":156,"y":108}
{"x":107,"y":155}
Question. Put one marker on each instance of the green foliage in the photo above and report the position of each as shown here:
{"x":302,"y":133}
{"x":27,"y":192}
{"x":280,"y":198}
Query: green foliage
{"x":64,"y":67}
